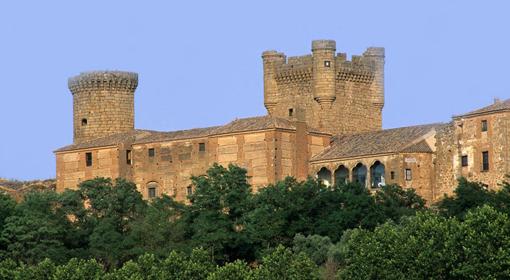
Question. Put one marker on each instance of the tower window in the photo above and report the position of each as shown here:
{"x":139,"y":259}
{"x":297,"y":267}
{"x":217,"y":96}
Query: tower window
{"x":88,"y":159}
{"x":84,"y":122}
{"x":327,"y":63}
{"x":464,"y":161}
{"x":409,"y":174}
{"x":128,"y":157}
{"x":189,"y":190}
{"x":485,"y":161}
{"x":201,"y":147}
{"x":392,"y":175}
{"x":484,"y":125}
{"x":151,"y":192}
{"x":151,"y":152}
{"x":291,"y":112}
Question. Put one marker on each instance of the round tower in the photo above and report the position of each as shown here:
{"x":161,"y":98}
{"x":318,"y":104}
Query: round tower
{"x":324,"y":82}
{"x":103,"y":103}
{"x":272,"y":60}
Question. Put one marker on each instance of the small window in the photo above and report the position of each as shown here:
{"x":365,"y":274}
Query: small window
{"x":327,"y":63}
{"x":88,"y":159}
{"x":84,"y":122}
{"x":151,"y":152}
{"x":485,"y":161}
{"x":189,"y":190}
{"x":392,"y":175}
{"x":409,"y":174}
{"x":128,"y":157}
{"x":484,"y":125}
{"x":291,"y":112}
{"x":464,"y":161}
{"x":151,"y":192}
{"x":201,"y":147}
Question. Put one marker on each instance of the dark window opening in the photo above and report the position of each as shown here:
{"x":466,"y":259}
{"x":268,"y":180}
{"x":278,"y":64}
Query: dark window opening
{"x":485,"y":161}
{"x":324,"y":176}
{"x":409,"y":174}
{"x":151,"y":192}
{"x":359,"y":174}
{"x":484,"y":125}
{"x":327,"y":63}
{"x":377,"y":174}
{"x":151,"y":152}
{"x":341,"y":175}
{"x":291,"y":112}
{"x":88,"y":159}
{"x":392,"y":175}
{"x":189,"y":190}
{"x":84,"y":121}
{"x":128,"y":157}
{"x":464,"y":161}
{"x":201,"y":147}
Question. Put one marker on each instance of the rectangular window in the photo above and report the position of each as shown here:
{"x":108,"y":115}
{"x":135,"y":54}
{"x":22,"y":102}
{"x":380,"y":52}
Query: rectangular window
{"x":151,"y":152}
{"x":484,"y":125}
{"x":392,"y":175}
{"x":327,"y":63}
{"x":201,"y":147}
{"x":189,"y":190}
{"x":291,"y":112}
{"x":128,"y":157}
{"x":152,"y":192}
{"x":88,"y":159}
{"x":464,"y":161}
{"x":409,"y":174}
{"x":485,"y":161}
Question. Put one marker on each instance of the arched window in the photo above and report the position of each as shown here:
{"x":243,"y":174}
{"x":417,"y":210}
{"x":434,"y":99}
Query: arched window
{"x":359,"y":174}
{"x":152,"y":190}
{"x":324,"y":176}
{"x":377,"y":174}
{"x":341,"y":175}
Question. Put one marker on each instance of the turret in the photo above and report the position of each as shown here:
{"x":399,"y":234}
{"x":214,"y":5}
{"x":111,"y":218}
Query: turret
{"x":376,"y":55}
{"x":271,"y":59}
{"x":324,"y":86}
{"x":103,"y":103}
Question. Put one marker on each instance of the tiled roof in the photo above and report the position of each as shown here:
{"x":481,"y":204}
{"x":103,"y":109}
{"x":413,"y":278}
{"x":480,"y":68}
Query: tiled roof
{"x":108,"y":140}
{"x":403,"y":139}
{"x":147,"y":136}
{"x":496,"y":106}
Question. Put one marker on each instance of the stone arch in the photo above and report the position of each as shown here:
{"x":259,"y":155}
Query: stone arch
{"x":152,"y":189}
{"x":377,"y":177}
{"x":359,"y":174}
{"x":324,"y":175}
{"x":341,"y":175}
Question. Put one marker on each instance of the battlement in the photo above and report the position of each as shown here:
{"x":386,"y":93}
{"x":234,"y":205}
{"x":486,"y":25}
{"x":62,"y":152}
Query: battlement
{"x":106,"y":80}
{"x":315,"y":82}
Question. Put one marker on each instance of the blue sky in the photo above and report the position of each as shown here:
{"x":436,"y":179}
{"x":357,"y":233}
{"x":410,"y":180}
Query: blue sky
{"x":199,"y":61}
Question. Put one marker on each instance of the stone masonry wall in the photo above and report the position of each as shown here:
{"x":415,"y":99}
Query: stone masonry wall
{"x":103,"y":104}
{"x":336,"y":95}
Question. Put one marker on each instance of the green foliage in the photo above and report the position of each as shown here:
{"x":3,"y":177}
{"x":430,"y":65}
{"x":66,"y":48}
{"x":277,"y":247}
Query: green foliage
{"x":237,"y":270}
{"x":77,"y":269}
{"x":282,"y":264}
{"x":316,"y":247}
{"x":428,"y":246}
{"x":215,"y":218}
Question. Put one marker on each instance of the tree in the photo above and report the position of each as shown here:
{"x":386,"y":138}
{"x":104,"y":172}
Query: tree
{"x":282,"y":264}
{"x":237,"y":270}
{"x":429,"y":246}
{"x":36,"y":230}
{"x":215,"y":218}
{"x":316,"y":247}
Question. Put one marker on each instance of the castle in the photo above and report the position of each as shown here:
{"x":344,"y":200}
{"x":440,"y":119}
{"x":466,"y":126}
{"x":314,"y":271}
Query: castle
{"x":324,"y":120}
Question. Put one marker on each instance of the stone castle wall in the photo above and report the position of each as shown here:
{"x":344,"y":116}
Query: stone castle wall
{"x":336,"y":95}
{"x":103,"y":103}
